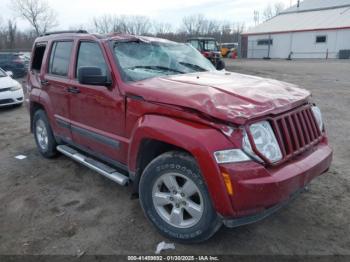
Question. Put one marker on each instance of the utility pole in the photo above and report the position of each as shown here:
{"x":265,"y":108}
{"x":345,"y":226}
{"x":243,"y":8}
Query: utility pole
{"x":269,"y":48}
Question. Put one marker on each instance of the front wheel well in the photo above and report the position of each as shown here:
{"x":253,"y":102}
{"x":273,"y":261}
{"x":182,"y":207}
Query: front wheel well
{"x":149,"y":150}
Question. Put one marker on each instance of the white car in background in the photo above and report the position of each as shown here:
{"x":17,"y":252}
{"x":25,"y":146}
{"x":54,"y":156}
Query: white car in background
{"x":11,"y":91}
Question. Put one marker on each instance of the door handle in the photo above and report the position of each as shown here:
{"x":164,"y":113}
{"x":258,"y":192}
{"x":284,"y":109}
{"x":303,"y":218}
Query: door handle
{"x":44,"y":82}
{"x":73,"y":90}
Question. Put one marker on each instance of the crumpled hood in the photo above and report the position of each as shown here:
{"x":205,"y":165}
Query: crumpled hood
{"x":224,"y":95}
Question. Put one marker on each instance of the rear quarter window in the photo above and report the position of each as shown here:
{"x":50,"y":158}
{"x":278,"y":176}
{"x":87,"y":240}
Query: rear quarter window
{"x":38,"y":56}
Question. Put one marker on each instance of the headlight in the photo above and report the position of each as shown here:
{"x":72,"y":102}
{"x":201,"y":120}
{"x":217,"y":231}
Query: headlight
{"x":318,"y":116}
{"x":248,"y":148}
{"x":231,"y":156}
{"x":265,"y":142}
{"x":15,"y":88}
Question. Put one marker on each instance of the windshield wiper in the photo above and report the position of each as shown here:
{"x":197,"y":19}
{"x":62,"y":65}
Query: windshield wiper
{"x":163,"y":68}
{"x":193,"y":66}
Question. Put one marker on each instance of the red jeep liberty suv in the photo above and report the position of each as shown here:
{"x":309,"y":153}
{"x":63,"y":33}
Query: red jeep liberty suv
{"x":200,"y":147}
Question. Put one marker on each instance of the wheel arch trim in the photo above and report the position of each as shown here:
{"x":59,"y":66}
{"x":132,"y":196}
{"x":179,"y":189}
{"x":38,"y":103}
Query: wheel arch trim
{"x":191,"y":137}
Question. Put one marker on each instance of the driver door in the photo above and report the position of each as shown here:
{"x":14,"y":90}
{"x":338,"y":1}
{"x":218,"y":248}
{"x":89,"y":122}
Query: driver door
{"x":97,"y":112}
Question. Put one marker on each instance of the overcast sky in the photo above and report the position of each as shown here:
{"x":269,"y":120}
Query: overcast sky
{"x":80,"y":12}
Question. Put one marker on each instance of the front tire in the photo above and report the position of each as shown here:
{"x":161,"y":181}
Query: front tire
{"x":43,"y":135}
{"x":175,"y":198}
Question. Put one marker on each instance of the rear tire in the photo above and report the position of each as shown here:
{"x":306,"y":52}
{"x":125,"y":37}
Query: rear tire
{"x":176,"y":200}
{"x":43,"y":135}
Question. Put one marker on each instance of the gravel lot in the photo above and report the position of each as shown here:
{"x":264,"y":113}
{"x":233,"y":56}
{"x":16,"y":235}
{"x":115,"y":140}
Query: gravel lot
{"x":60,"y":207}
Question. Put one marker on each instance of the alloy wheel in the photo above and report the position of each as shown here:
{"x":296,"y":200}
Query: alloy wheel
{"x":41,"y":134}
{"x":177,"y":200}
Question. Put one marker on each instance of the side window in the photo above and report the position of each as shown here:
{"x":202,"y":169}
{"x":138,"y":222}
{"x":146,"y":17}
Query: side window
{"x":60,"y":58}
{"x":210,"y":45}
{"x":195,"y":44}
{"x":90,"y":54}
{"x":38,"y":56}
{"x":320,"y":39}
{"x":265,"y":42}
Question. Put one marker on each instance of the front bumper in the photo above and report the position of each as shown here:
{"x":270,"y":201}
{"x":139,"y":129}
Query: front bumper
{"x":241,"y":221}
{"x":260,"y":191}
{"x":11,"y":98}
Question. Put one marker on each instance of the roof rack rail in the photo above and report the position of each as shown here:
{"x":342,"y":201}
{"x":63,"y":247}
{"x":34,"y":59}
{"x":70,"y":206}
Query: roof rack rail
{"x":65,"y":32}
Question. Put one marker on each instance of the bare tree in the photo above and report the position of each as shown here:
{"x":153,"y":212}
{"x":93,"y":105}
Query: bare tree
{"x":226,"y":28}
{"x":210,"y":27}
{"x":103,"y":24}
{"x":138,"y":25}
{"x":188,"y":24}
{"x":270,"y":11}
{"x":193,"y":25}
{"x":256,"y":17}
{"x":239,"y":28}
{"x":110,"y":23}
{"x":160,"y":28}
{"x":13,"y":39}
{"x":196,"y":25}
{"x":199,"y":25}
{"x":38,"y":13}
{"x":135,"y":25}
{"x":278,"y":8}
{"x":11,"y":34}
{"x":2,"y":34}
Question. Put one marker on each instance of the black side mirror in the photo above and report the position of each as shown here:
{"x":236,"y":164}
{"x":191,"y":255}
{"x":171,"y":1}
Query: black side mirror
{"x":93,"y":76}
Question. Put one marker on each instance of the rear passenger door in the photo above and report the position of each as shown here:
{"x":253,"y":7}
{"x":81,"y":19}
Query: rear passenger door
{"x":56,"y":83}
{"x":97,"y":112}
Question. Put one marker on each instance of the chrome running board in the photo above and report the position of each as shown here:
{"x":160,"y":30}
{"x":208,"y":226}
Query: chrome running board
{"x":95,"y":165}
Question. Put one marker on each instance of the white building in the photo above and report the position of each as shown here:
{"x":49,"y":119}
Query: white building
{"x":312,"y":29}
